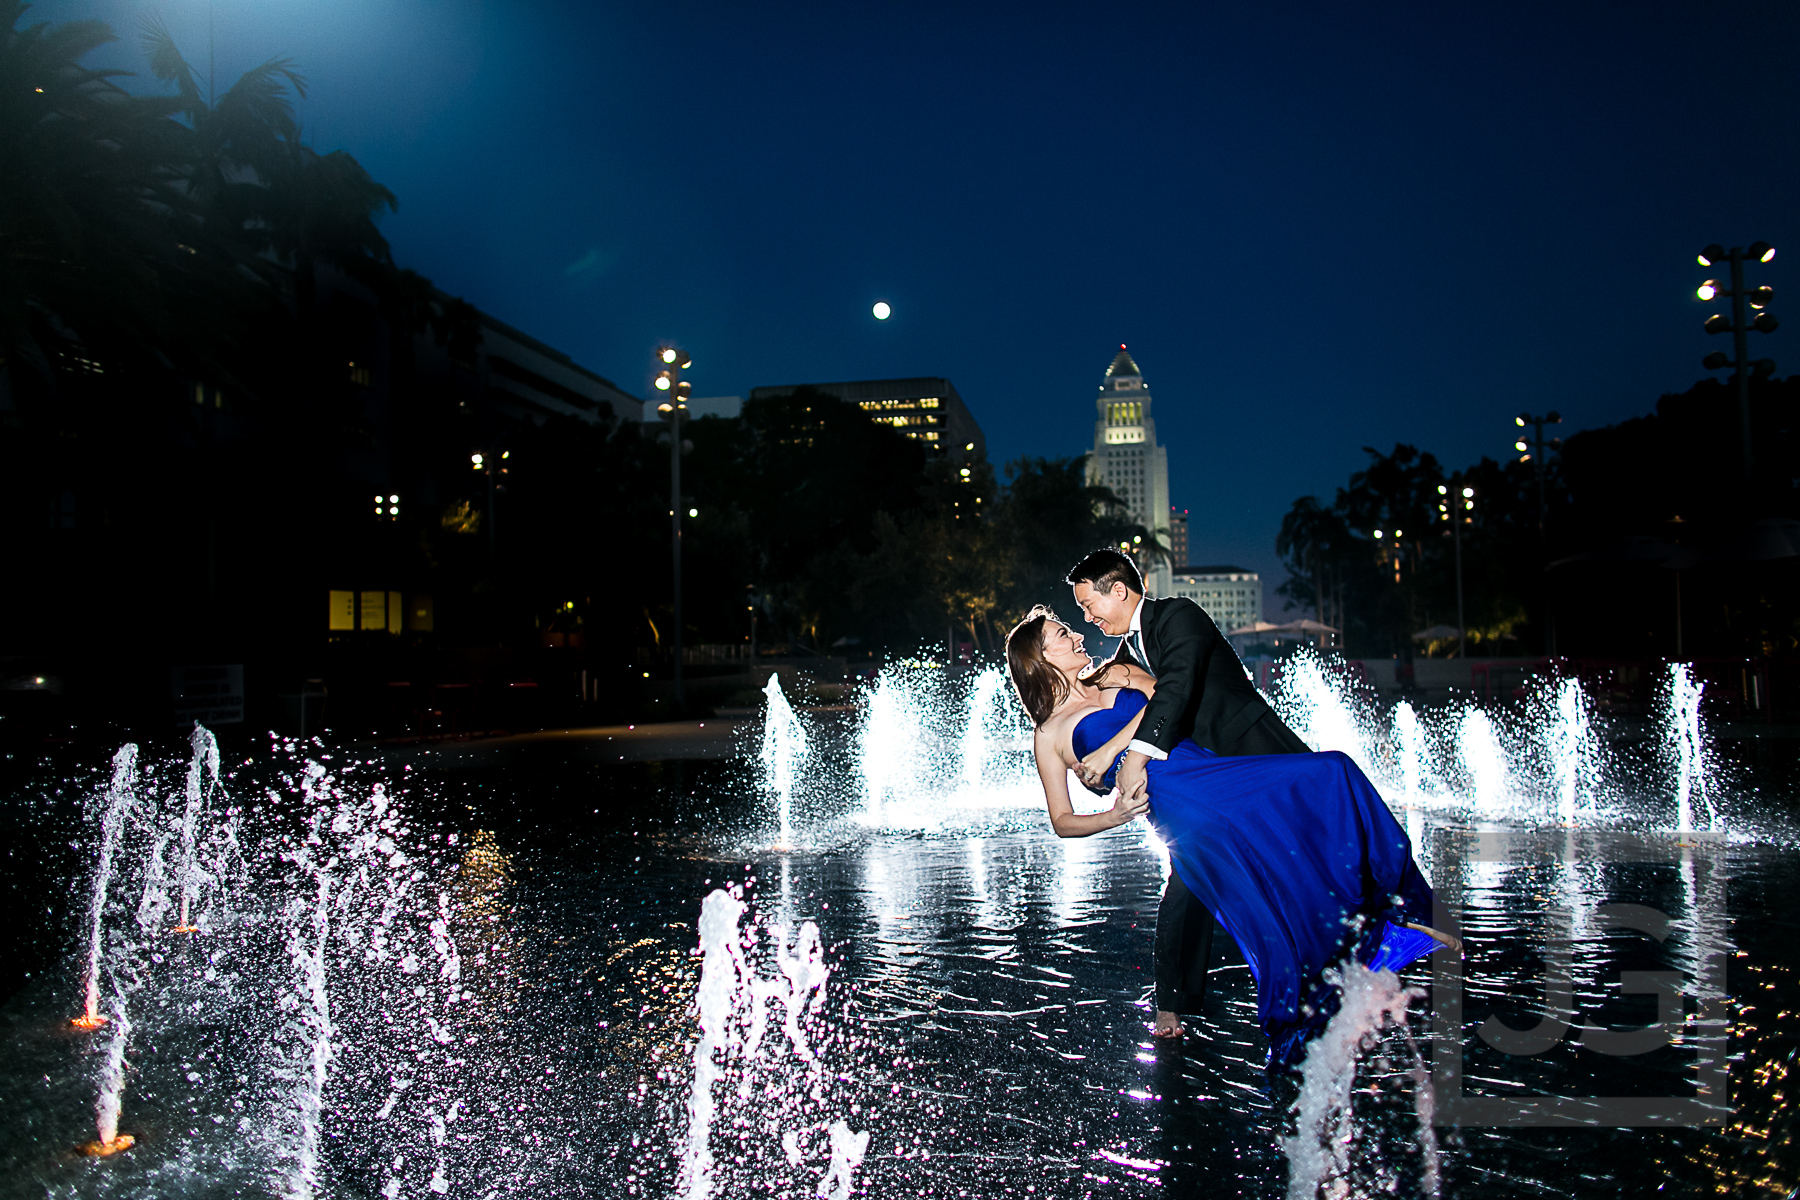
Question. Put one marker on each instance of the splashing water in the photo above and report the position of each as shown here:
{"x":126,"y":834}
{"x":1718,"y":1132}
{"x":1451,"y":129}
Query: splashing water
{"x":1317,"y":708}
{"x":1569,"y":737}
{"x":784,"y":747}
{"x":731,"y":999}
{"x":188,"y":875}
{"x":975,"y":755}
{"x":1409,"y":749}
{"x":342,"y":854}
{"x":119,"y":798}
{"x":1322,"y":1149}
{"x":1484,"y":758}
{"x":891,"y":743}
{"x":111,"y":1092}
{"x":1689,"y":738}
{"x":721,"y":967}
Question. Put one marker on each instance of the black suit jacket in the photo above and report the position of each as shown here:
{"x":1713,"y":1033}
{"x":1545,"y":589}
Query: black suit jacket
{"x":1202,"y":691}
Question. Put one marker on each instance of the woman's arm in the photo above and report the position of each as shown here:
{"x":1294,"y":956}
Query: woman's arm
{"x":1095,"y":765}
{"x":1093,"y":768}
{"x":1053,"y":773}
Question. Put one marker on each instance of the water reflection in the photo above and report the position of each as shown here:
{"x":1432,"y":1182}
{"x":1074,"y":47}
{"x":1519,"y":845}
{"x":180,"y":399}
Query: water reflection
{"x":987,"y":1018}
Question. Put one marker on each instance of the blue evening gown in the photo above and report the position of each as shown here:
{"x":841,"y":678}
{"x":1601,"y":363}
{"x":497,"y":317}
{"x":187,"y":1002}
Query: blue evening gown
{"x":1288,"y":850}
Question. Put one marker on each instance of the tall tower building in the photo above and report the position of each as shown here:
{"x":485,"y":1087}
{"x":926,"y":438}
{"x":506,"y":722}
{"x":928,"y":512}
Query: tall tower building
{"x":1128,"y":460}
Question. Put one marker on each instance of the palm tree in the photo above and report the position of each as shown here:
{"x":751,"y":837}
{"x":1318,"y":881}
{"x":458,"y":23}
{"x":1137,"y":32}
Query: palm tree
{"x":264,"y":189}
{"x":93,"y":216}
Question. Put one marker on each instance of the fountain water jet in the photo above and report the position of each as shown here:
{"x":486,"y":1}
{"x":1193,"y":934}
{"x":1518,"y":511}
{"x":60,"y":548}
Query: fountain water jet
{"x":119,"y":796}
{"x":1410,"y":750}
{"x":1570,"y":739}
{"x":731,"y":999}
{"x":1485,"y":760}
{"x":784,"y":747}
{"x":112,"y":1089}
{"x":205,"y":758}
{"x":986,"y":689}
{"x":721,"y":966}
{"x":1689,"y":738}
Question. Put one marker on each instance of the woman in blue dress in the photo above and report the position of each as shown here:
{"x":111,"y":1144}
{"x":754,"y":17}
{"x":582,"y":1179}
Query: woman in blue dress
{"x":1296,"y":854}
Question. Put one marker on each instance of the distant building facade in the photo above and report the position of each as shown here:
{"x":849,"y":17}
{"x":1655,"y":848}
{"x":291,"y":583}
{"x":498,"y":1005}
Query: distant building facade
{"x":528,"y":380}
{"x":1126,"y":457}
{"x":1231,"y":596}
{"x":1178,"y":534}
{"x":926,"y":409}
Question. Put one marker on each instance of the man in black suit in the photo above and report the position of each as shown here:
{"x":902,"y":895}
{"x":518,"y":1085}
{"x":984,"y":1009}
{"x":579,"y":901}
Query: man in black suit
{"x":1203,"y":693}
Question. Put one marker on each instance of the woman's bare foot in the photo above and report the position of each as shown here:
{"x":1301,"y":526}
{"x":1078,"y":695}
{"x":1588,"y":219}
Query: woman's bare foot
{"x":1168,"y":1026}
{"x":1443,"y":939}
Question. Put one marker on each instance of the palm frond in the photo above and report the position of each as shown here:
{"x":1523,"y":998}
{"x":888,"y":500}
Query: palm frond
{"x":166,"y":62}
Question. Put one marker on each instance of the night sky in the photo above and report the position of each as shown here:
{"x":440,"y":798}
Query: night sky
{"x":1318,"y":227}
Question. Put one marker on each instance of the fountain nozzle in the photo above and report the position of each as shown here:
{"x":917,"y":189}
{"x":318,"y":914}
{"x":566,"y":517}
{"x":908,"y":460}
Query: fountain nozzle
{"x":88,"y":1021}
{"x":185,"y":929}
{"x":123,"y":1141}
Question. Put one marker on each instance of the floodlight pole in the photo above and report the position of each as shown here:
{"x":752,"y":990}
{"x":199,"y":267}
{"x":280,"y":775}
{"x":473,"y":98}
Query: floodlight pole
{"x":1740,"y":349}
{"x":673,"y":410}
{"x":1741,"y":325}
{"x":675,"y":415}
{"x":1462,"y":626}
{"x":1537,"y":452}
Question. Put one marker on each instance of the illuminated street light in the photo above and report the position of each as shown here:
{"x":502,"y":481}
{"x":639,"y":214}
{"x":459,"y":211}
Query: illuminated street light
{"x":1739,"y":326}
{"x":494,"y":467}
{"x":669,"y":380}
{"x":1466,"y":516}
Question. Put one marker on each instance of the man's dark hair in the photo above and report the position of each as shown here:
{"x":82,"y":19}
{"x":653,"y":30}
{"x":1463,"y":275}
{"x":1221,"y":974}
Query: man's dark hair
{"x":1103,"y":568}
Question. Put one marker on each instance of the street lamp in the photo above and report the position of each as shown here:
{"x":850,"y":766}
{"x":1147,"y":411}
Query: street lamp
{"x":674,"y":411}
{"x":1533,"y":448}
{"x":1739,"y":328}
{"x":493,"y":466}
{"x":1456,"y":504}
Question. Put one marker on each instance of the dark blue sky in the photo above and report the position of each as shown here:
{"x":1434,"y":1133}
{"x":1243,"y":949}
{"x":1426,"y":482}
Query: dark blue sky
{"x":1318,"y":227}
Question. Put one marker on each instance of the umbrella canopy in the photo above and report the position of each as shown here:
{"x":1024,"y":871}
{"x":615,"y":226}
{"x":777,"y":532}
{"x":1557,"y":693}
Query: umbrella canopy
{"x":1256,"y":627}
{"x":1437,"y":633}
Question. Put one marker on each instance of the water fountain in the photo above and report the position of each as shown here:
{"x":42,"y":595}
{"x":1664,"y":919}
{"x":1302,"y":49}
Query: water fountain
{"x":390,"y":1035}
{"x":731,"y":1000}
{"x":783,"y":754}
{"x":117,"y":800}
{"x":204,"y":766}
{"x":1688,"y":744}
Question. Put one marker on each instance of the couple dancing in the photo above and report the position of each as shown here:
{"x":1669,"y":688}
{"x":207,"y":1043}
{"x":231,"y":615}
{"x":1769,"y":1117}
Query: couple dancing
{"x":1294,"y":852}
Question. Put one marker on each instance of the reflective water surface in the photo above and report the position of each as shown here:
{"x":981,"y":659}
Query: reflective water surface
{"x":506,"y":956}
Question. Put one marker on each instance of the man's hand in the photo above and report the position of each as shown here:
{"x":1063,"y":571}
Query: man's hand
{"x":1129,"y":808}
{"x":1133,"y":780}
{"x":1092,"y":770}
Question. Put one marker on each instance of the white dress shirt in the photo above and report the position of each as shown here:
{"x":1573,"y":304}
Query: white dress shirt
{"x":1143,"y":655}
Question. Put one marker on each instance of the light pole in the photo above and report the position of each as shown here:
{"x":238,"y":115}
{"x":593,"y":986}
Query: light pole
{"x":494,"y":467}
{"x":1739,"y":328}
{"x":1456,"y":504}
{"x":674,"y":410}
{"x":1537,"y":452}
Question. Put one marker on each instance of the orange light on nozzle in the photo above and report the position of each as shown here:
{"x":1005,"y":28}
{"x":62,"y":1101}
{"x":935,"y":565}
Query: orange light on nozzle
{"x":107,"y":1149}
{"x":90,"y":1021}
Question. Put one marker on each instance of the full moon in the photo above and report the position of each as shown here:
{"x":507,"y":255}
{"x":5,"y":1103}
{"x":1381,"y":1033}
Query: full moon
{"x":882,"y":310}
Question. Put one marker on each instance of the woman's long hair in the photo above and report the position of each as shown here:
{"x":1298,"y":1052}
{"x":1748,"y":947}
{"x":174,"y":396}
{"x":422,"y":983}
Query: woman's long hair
{"x":1041,"y":687}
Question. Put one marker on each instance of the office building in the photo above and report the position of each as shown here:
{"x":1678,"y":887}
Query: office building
{"x":1231,"y":596}
{"x":927,"y":410}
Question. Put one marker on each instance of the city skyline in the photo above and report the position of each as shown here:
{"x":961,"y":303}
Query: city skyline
{"x":1262,"y":204}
